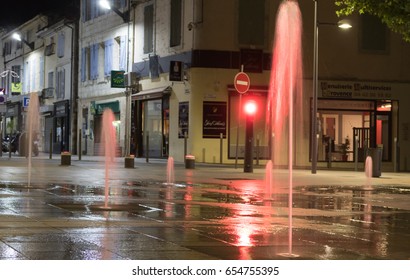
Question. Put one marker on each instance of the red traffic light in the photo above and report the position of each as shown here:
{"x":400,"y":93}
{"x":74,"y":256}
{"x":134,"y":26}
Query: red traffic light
{"x":250,"y":107}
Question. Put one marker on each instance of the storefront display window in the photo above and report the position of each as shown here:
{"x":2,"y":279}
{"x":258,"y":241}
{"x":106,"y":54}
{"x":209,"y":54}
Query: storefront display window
{"x":346,"y":127}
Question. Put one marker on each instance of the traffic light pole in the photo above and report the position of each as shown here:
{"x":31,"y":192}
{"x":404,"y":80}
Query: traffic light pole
{"x":248,"y":161}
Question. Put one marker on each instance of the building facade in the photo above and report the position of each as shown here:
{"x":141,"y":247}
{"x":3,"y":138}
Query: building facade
{"x":104,"y":56}
{"x":42,"y":62}
{"x":166,"y":69}
{"x":187,"y":54}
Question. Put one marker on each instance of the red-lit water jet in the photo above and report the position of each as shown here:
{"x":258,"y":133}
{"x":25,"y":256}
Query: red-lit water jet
{"x":285,"y":89}
{"x":108,"y":139}
{"x":32,"y":128}
{"x":170,"y":171}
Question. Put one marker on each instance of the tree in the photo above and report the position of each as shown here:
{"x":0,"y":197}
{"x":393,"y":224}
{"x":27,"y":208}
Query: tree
{"x":394,"y":13}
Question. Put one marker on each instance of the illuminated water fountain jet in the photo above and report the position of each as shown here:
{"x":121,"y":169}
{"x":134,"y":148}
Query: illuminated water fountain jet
{"x":170,"y":171}
{"x":108,"y":139}
{"x":368,"y":167}
{"x":285,"y":90}
{"x":268,"y":180}
{"x":368,"y":171}
{"x":32,"y":128}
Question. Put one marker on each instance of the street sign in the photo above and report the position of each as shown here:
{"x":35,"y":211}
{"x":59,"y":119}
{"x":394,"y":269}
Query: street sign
{"x":26,"y":101}
{"x":242,"y":82}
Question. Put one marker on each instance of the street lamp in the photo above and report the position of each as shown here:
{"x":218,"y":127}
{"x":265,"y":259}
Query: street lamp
{"x":105,"y":4}
{"x":17,"y":36}
{"x":344,"y":24}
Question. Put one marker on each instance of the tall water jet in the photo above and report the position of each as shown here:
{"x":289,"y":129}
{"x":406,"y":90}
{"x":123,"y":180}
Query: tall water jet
{"x":108,"y":139}
{"x":268,"y":180}
{"x":32,"y":128}
{"x":170,"y":171}
{"x":285,"y":86}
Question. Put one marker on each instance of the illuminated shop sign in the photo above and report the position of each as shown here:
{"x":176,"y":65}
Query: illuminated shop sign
{"x":347,"y":90}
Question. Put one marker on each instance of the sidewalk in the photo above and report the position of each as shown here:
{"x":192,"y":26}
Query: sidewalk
{"x":205,"y":172}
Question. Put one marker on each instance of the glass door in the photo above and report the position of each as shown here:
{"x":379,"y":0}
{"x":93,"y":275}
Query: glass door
{"x":152,"y":127}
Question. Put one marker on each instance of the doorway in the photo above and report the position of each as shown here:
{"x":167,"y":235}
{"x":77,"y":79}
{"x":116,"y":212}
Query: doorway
{"x":152,"y":128}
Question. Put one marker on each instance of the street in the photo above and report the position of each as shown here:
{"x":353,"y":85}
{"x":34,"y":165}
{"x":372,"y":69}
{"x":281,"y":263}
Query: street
{"x":210,"y":212}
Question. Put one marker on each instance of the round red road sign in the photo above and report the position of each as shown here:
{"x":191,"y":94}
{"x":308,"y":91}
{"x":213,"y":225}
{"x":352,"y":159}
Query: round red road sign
{"x":242,"y":82}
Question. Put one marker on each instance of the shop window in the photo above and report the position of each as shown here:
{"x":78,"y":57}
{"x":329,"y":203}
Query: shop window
{"x":360,"y":123}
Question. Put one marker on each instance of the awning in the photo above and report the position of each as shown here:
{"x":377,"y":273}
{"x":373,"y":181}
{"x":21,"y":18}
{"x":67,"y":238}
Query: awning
{"x":154,"y":93}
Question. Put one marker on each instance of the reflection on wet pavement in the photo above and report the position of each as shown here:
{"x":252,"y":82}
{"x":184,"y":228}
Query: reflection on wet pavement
{"x":152,"y":220}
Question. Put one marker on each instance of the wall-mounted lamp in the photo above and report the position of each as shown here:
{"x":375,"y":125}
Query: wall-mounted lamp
{"x":18,"y":37}
{"x":105,"y":4}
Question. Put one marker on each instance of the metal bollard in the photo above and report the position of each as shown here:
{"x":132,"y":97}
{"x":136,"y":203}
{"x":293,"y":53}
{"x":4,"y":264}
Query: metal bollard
{"x":147,"y":148}
{"x":66,"y":158}
{"x":51,"y":146}
{"x":221,"y":139}
{"x":80,"y":138}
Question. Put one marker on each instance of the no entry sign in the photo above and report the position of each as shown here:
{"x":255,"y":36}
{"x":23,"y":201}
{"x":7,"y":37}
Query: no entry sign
{"x":242,"y":82}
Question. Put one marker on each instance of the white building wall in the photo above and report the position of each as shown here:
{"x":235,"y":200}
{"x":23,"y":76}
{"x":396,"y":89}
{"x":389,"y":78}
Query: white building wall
{"x":97,"y":31}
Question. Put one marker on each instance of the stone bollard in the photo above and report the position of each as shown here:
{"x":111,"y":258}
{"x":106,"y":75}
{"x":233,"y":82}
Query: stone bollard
{"x":129,"y":161}
{"x":65,"y":158}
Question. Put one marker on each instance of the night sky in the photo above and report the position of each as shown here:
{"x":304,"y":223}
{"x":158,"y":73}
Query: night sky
{"x":16,"y":12}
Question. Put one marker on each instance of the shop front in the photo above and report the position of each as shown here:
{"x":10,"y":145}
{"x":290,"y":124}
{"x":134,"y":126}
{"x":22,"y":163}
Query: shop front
{"x":350,"y":127}
{"x":13,"y":119}
{"x":354,"y":117}
{"x":97,"y":125}
{"x":61,"y":128}
{"x":150,"y":137}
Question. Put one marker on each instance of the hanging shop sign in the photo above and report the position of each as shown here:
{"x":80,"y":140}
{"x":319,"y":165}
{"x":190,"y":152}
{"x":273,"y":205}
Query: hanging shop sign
{"x":15,"y":88}
{"x":175,"y":71}
{"x":117,"y":79}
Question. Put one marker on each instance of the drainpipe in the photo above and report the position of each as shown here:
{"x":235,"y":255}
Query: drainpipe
{"x":74,"y":86}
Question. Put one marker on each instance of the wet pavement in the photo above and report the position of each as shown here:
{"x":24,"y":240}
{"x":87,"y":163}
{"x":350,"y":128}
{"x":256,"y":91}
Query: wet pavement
{"x":210,"y":212}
